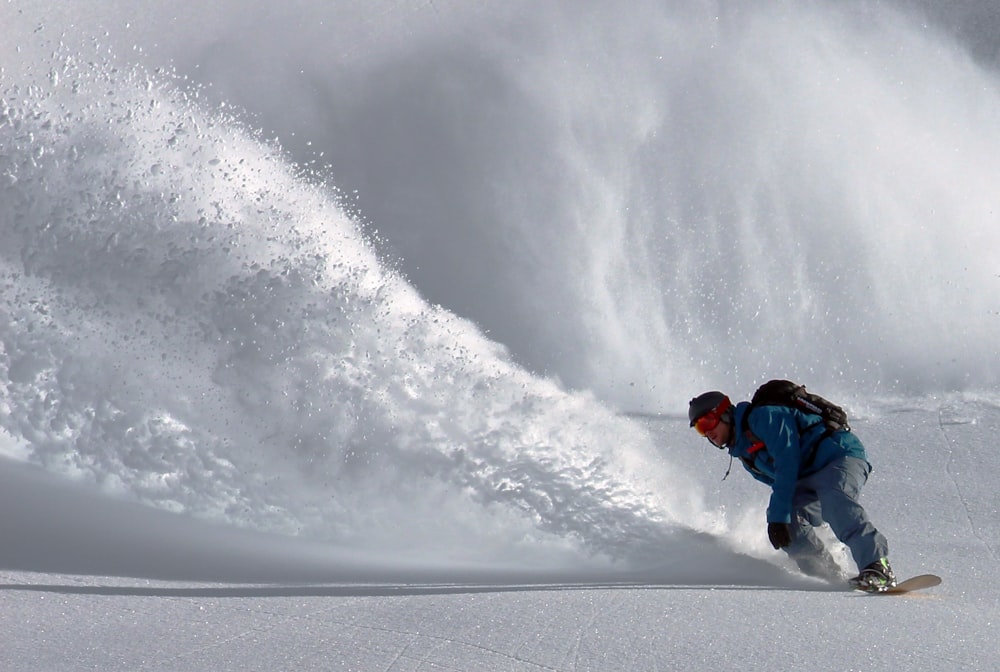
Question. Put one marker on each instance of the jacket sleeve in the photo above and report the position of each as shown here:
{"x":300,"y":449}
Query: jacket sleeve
{"x":777,"y":428}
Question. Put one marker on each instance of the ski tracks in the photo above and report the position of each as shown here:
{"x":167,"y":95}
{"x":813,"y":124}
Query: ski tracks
{"x":573,"y":656}
{"x":949,"y":416}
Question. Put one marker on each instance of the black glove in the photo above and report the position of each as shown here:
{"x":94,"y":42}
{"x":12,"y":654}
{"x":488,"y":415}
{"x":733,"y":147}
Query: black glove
{"x":780,"y":534}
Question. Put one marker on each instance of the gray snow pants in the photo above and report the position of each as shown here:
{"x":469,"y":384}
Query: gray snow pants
{"x":831,"y":496}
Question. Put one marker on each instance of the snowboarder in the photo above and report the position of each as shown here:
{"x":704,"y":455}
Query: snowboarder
{"x":815,"y":476}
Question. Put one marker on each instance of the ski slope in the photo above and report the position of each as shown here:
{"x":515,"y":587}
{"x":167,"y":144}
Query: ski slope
{"x":266,"y":604}
{"x":360,"y":335}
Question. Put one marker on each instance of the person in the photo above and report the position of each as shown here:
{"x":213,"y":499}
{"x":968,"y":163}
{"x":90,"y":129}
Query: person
{"x":815,"y":477}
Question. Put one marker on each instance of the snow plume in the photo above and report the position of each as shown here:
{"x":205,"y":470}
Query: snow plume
{"x":641,"y":203}
{"x":674,"y":196}
{"x":190,"y":322}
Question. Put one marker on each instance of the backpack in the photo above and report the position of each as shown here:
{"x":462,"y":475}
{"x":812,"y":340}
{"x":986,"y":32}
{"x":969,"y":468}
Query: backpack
{"x":793,"y":395}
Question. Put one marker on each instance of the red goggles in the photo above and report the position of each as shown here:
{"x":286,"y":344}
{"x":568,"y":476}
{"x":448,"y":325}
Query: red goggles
{"x":707,"y":422}
{"x":711,"y":420}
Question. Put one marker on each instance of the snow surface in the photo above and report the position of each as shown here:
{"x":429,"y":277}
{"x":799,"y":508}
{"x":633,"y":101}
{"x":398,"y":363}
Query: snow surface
{"x":268,"y":605}
{"x":359,"y":335}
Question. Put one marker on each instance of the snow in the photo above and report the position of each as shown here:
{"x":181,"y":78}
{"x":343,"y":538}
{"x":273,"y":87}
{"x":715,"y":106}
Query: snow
{"x":359,"y":335}
{"x":267,"y":604}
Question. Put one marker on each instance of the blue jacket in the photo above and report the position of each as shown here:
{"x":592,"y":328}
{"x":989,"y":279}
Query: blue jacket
{"x":789,"y":438}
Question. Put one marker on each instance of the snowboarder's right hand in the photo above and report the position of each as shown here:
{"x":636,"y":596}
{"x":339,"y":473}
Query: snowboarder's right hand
{"x":780,"y":534}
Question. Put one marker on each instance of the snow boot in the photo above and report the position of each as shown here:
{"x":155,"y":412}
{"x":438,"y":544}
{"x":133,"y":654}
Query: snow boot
{"x":875,"y":578}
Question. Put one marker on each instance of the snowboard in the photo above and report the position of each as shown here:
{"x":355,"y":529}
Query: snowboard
{"x":909,"y":585}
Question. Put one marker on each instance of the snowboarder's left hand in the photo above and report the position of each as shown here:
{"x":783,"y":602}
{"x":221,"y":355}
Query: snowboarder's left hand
{"x":780,"y":534}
